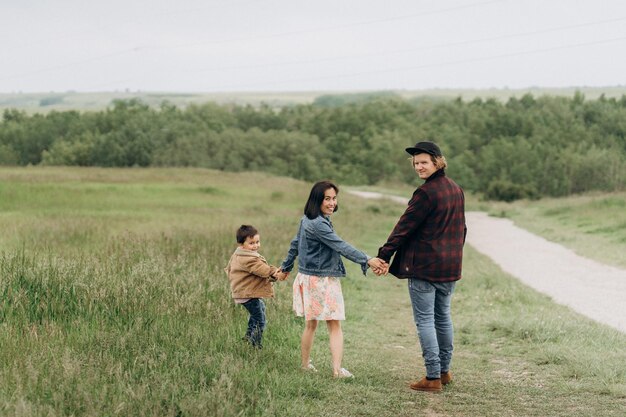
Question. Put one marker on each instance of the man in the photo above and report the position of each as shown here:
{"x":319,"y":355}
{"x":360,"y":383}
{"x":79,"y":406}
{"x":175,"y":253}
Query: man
{"x":428,"y":245}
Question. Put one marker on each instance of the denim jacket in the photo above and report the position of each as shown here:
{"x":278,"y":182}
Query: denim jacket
{"x":320,"y":250}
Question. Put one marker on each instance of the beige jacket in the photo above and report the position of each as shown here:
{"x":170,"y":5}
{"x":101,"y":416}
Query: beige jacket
{"x":250,"y":275}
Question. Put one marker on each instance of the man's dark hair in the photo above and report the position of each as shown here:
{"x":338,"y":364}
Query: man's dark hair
{"x":246,"y":231}
{"x":312,"y":208}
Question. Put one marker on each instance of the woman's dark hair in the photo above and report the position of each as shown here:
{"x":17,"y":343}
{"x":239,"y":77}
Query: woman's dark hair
{"x":244,"y":232}
{"x":312,"y":208}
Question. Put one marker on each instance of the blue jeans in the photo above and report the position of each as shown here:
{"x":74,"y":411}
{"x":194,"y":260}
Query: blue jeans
{"x":256,"y":322}
{"x":431,"y":311}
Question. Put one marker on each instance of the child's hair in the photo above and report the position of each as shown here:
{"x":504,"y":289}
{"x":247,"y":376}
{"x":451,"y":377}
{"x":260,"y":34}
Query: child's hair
{"x":246,"y":231}
{"x":312,"y":208}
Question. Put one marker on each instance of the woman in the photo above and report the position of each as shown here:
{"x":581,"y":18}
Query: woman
{"x":317,"y":288}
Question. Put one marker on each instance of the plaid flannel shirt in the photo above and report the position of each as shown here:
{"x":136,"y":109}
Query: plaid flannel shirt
{"x":428,"y":239}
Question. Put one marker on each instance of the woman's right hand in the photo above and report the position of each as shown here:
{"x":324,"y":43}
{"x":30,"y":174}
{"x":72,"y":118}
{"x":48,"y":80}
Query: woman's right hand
{"x":379,"y":266}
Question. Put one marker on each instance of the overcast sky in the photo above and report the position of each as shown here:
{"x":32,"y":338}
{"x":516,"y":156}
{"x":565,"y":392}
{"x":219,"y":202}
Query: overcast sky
{"x":292,"y":45}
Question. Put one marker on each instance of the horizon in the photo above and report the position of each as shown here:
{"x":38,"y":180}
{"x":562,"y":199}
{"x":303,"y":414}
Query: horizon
{"x":43,"y":102}
{"x":337,"y":91}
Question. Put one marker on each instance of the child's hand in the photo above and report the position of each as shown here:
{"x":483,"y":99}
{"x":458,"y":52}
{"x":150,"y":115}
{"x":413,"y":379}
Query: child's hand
{"x":281,"y":275}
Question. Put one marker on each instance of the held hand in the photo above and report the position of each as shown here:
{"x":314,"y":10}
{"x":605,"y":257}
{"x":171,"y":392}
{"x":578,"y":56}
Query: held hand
{"x":385,"y":268}
{"x":281,"y":275}
{"x":379,"y":266}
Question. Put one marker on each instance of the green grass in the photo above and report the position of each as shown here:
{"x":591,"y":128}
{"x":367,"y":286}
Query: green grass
{"x":113,"y":302}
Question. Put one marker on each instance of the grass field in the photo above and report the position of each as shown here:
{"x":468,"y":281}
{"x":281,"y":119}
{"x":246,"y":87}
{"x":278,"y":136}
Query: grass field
{"x":113,"y":302}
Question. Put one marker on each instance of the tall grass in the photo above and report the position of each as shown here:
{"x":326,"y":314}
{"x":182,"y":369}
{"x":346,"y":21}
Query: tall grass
{"x":113,"y":301}
{"x":113,"y":295}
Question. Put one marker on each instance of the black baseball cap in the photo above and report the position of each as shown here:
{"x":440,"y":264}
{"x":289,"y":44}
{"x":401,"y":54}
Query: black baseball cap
{"x":430,"y":148}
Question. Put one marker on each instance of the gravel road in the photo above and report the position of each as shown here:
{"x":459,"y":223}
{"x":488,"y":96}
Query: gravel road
{"x":593,"y":289}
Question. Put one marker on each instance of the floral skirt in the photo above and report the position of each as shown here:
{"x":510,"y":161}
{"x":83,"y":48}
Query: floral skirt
{"x":318,"y":298}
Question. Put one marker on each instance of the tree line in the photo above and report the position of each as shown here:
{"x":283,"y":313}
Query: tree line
{"x":525,"y":147}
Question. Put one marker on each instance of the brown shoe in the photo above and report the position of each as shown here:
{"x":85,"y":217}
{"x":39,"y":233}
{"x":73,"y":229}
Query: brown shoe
{"x":446,"y":378}
{"x":431,"y":385}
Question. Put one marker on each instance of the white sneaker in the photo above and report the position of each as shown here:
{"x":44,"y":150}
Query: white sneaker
{"x":309,"y":368}
{"x":344,"y":373}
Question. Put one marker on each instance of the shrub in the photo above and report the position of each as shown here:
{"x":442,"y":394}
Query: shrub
{"x":504,"y":190}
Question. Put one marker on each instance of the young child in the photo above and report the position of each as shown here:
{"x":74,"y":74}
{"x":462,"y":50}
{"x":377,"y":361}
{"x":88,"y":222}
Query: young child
{"x":251,"y":279}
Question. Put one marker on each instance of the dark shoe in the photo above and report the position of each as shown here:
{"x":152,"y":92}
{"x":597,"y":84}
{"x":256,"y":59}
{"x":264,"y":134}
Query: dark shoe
{"x":251,"y":342}
{"x":430,"y":385}
{"x":446,"y":378}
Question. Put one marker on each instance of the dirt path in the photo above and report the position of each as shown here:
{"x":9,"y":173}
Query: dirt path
{"x":593,"y":289}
